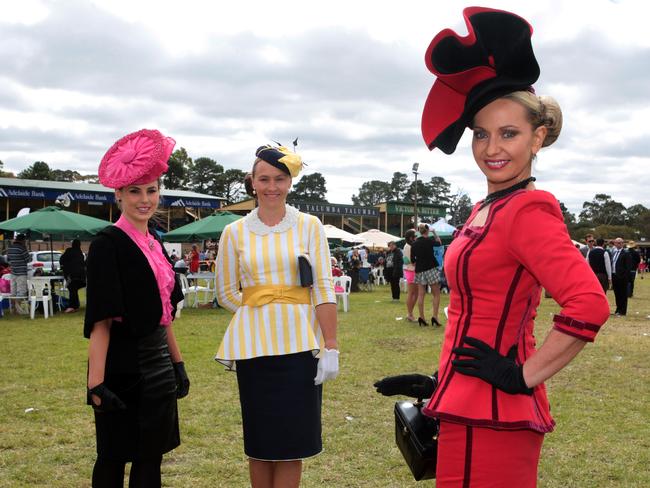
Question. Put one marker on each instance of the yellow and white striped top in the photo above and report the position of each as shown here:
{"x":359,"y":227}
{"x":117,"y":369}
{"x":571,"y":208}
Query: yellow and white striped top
{"x":252,"y":254}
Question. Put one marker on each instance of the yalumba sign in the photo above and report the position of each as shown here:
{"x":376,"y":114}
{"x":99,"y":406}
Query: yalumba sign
{"x":333,"y":209}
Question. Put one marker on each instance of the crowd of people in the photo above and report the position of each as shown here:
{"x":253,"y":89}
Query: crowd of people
{"x":197,"y":259}
{"x":14,"y":273}
{"x":488,"y":392}
{"x":616,"y":265}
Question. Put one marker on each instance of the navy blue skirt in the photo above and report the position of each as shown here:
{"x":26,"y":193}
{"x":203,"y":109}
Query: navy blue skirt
{"x":281,"y":406}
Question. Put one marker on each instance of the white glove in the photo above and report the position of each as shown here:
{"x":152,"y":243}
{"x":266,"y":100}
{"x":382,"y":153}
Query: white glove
{"x":328,"y":366}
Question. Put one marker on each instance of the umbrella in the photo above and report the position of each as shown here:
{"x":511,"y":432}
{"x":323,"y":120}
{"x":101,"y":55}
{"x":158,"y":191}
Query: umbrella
{"x":333,"y":232}
{"x":54,"y":220}
{"x":442,"y":227}
{"x":376,"y":238}
{"x":207,"y":228}
{"x":445,"y":237}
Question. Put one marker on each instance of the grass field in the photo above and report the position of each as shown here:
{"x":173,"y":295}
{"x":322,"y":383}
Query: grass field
{"x":600,"y":403}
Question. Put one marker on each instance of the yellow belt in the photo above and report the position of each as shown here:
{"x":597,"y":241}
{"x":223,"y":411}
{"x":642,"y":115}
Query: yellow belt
{"x":256,"y":296}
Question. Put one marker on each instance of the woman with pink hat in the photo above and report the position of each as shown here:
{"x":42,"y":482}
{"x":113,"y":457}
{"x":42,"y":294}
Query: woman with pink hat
{"x":135,"y":367}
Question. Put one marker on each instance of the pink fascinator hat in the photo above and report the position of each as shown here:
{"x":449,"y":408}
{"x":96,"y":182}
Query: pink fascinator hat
{"x":136,"y":159}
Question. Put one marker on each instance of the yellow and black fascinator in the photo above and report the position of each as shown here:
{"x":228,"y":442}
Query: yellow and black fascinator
{"x":282,"y":158}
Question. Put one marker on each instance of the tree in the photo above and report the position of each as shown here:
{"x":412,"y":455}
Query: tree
{"x":460,"y":207}
{"x":5,"y":174}
{"x":205,"y":176}
{"x":643,"y":225}
{"x":310,"y":188}
{"x":89,"y":179}
{"x":569,"y":218}
{"x":176,"y":176}
{"x":602,"y":210}
{"x":231,"y":184}
{"x":372,"y":192}
{"x":613,"y":231}
{"x":65,"y":175}
{"x":399,"y":185}
{"x":439,"y":190}
{"x":424,"y":192}
{"x":634,"y":214}
{"x":37,"y":171}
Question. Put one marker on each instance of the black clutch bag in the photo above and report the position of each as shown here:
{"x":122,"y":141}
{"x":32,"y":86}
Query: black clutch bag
{"x":304,"y":271}
{"x":416,"y":436}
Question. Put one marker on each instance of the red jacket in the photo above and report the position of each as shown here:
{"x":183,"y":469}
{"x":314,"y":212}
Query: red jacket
{"x":496,"y":274}
{"x":194,"y":262}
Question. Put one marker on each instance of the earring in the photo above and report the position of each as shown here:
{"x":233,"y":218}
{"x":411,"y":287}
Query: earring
{"x":254,"y":192}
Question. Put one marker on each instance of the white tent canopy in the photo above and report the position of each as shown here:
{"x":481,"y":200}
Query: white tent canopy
{"x":376,"y":238}
{"x":333,"y":232}
{"x":442,"y":226}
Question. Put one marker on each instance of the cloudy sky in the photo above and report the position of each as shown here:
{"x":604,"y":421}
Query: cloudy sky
{"x":346,"y":77}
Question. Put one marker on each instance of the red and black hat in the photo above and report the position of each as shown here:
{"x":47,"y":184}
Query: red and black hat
{"x":494,"y":59}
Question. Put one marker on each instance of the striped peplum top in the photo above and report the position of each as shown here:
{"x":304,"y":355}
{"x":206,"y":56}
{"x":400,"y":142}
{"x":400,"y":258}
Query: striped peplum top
{"x":253,"y":254}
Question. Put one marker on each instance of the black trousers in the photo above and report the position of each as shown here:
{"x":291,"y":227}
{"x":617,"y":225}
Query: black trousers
{"x":394,"y":285}
{"x":354,"y":274}
{"x":619,"y":284}
{"x":630,"y":285}
{"x":110,"y":474}
{"x":74,"y":287}
{"x":603,"y":280}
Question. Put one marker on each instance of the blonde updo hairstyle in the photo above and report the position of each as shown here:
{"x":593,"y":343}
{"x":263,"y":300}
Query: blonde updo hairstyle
{"x":248,"y":180}
{"x":541,"y":110}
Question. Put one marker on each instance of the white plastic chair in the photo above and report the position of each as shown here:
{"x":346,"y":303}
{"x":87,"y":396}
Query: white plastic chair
{"x":344,"y":283}
{"x":40,"y":291}
{"x":379,"y":275}
{"x":207,"y":290}
{"x":63,"y":293}
{"x":179,"y":308}
{"x":187,"y":290}
{"x":8,"y":296}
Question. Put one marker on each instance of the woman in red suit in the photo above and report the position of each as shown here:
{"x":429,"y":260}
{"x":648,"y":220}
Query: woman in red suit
{"x":490,"y":398}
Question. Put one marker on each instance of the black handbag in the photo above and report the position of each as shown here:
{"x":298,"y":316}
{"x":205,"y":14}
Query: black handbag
{"x":416,"y":436}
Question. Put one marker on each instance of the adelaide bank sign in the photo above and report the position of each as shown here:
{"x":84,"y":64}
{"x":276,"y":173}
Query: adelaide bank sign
{"x":44,"y":194}
{"x":99,"y":197}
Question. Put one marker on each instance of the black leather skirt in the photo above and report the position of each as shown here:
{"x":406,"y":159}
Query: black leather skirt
{"x":148,"y":427}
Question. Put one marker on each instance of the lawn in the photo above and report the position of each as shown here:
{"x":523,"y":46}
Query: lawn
{"x":47,"y":438}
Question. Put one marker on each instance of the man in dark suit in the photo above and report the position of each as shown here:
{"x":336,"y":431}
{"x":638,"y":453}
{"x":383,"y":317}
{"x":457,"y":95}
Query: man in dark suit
{"x":600,"y":263}
{"x":621,"y":267}
{"x":636,"y":260}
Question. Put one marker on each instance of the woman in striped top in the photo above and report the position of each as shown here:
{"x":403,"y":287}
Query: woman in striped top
{"x":279,"y":326}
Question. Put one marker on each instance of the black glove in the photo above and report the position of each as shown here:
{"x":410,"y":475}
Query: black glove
{"x":413,"y":385}
{"x":487,"y":364}
{"x":110,"y":402}
{"x":182,"y":381}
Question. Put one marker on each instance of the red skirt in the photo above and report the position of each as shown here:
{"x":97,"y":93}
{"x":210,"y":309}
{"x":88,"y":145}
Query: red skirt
{"x":477,"y":457}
